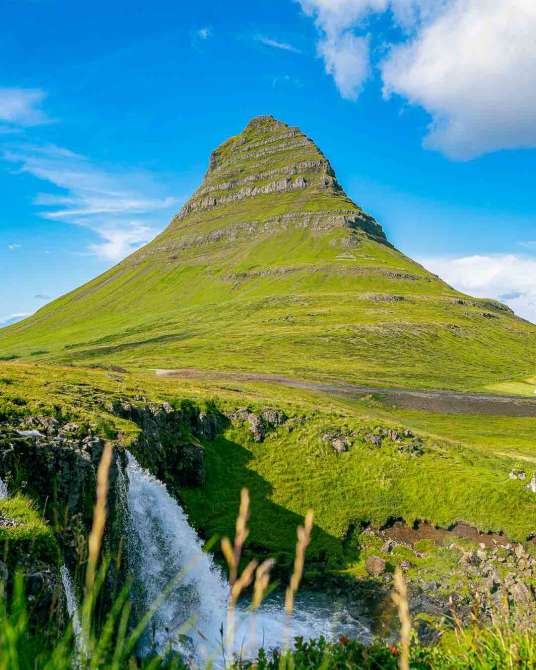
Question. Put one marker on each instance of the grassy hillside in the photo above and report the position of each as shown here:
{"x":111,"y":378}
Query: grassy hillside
{"x":270,"y":267}
{"x":462,"y":473}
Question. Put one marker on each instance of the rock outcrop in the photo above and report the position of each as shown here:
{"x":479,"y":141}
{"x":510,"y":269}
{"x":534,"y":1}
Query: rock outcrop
{"x":168,"y":442}
{"x":271,"y":158}
{"x":260,"y":423}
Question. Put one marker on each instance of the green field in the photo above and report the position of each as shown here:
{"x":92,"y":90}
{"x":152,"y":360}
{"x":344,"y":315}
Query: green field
{"x":461,"y":476}
{"x":296,"y":281}
{"x":270,"y":269}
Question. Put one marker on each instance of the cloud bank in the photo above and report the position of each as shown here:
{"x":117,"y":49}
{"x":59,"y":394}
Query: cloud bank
{"x":22,"y":106}
{"x":510,"y":278}
{"x":470,"y":64}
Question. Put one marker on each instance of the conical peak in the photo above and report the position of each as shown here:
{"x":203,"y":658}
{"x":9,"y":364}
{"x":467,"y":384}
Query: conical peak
{"x":261,"y":131}
{"x":265,"y":121}
{"x":272,"y":169}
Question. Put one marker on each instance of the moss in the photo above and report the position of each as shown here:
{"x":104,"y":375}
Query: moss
{"x":23,"y":533}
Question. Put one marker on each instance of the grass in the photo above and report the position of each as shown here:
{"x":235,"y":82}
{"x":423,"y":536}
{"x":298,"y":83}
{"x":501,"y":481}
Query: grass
{"x":462,"y":475}
{"x":240,"y":287}
{"x":522,"y":387}
{"x":510,"y":641}
{"x":24,"y":533}
{"x":279,"y":284}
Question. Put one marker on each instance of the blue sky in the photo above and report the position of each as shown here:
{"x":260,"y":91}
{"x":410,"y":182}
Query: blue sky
{"x":108,"y":113}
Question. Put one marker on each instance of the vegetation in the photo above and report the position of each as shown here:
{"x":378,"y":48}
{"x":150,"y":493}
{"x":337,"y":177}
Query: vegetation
{"x":270,"y":268}
{"x":111,"y":643}
{"x":298,"y":282}
{"x":462,"y":474}
{"x":499,"y":647}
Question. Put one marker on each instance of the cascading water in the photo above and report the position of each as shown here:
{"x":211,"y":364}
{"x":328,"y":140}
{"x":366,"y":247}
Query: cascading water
{"x":162,"y":545}
{"x":72,"y":608}
{"x":4,"y":493}
{"x":192,"y":619}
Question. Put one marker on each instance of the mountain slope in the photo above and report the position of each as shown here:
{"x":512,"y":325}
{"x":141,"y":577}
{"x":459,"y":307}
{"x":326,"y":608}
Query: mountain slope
{"x":271,"y":267}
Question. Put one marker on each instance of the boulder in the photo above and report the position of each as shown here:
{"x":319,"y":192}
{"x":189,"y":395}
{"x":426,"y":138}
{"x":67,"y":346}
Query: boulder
{"x":518,"y":474}
{"x":337,"y":440}
{"x":375,"y":566}
{"x":260,"y":424}
{"x":274,"y":417}
{"x":374,"y":440}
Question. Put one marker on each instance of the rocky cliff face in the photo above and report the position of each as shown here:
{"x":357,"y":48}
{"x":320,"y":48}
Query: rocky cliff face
{"x":168,"y":444}
{"x":269,"y":162}
{"x":54,"y":463}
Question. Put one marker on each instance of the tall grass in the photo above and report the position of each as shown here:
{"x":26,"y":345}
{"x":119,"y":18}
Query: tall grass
{"x":111,"y":644}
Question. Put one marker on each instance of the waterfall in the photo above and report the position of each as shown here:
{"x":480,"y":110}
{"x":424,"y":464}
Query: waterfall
{"x":161,"y":544}
{"x":4,"y":493}
{"x":73,"y":611}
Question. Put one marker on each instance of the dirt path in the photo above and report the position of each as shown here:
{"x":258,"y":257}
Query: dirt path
{"x":442,"y":402}
{"x":515,"y":456}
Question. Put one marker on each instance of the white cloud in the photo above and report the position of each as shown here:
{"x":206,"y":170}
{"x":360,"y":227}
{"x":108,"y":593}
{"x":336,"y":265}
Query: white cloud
{"x":275,"y":44}
{"x":473,"y":68}
{"x":347,"y":60}
{"x":12,"y":318}
{"x":119,"y":207}
{"x":13,"y":247}
{"x":21,"y":106}
{"x":345,"y":54}
{"x":204,"y":33}
{"x":334,"y":17}
{"x":471,"y":64}
{"x":121,"y":240}
{"x":409,"y":14}
{"x":510,"y":278}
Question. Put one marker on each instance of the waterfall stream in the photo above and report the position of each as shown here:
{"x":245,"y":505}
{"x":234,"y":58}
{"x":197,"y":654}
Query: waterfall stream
{"x":72,"y":609}
{"x":4,"y":493}
{"x":161,"y":544}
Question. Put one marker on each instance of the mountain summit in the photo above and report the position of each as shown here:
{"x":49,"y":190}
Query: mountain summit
{"x":270,"y":158}
{"x":270,"y":267}
{"x":268,"y":178}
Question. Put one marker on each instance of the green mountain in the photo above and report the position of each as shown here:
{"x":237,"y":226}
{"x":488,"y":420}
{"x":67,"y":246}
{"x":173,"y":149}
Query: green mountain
{"x":270,"y":267}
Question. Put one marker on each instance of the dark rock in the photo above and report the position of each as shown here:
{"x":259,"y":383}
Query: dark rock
{"x":388,"y":547}
{"x":256,"y":426}
{"x":274,"y":417}
{"x":260,"y":424}
{"x":168,"y":444}
{"x":374,"y":440}
{"x":209,"y":425}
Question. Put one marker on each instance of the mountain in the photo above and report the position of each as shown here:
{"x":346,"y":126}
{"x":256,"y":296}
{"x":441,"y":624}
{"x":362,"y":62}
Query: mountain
{"x":271,"y":267}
